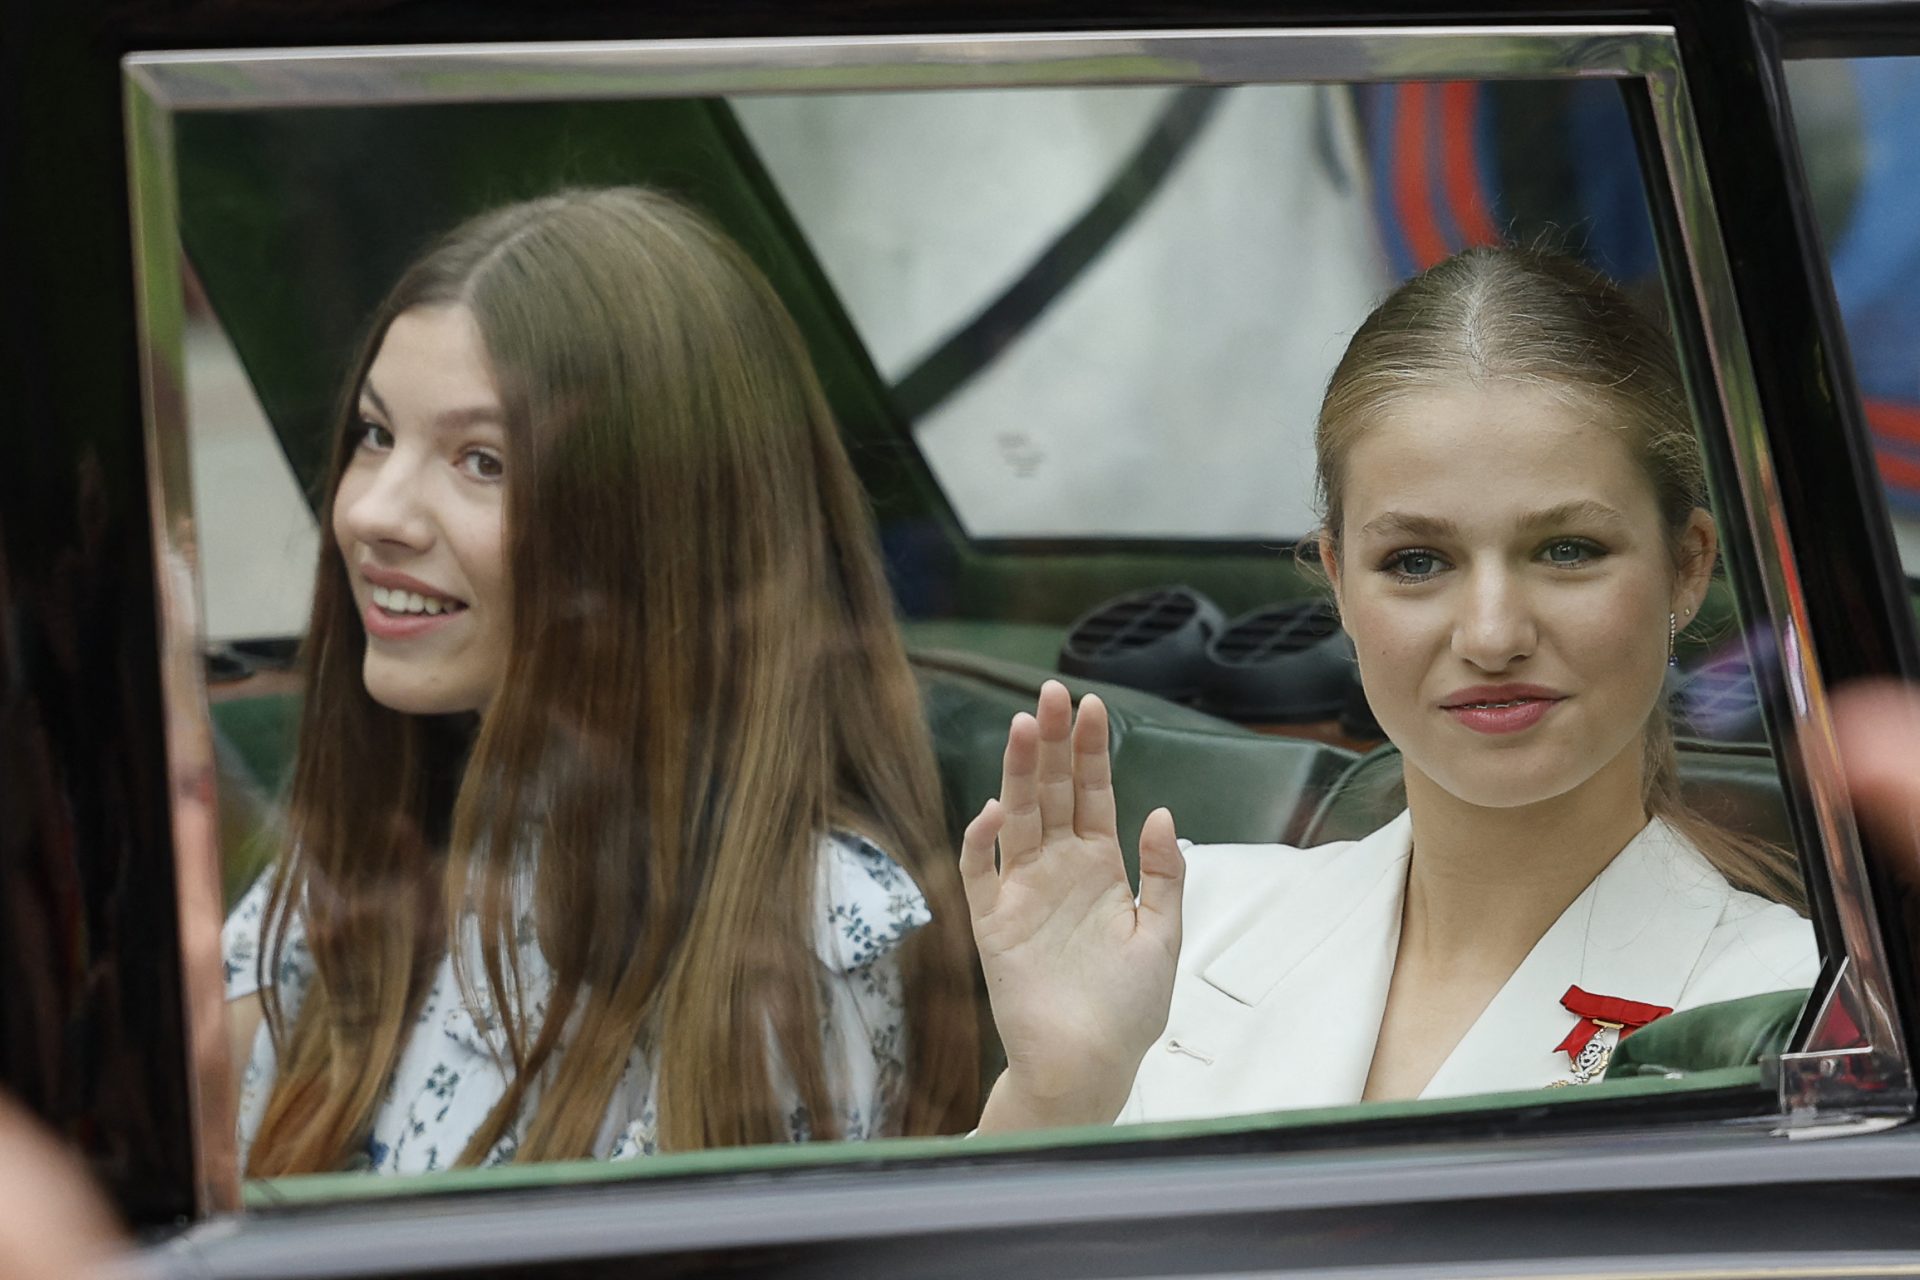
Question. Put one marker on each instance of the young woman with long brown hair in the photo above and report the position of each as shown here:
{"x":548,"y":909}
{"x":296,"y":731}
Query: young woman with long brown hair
{"x":614,"y":826}
{"x":1515,"y":527}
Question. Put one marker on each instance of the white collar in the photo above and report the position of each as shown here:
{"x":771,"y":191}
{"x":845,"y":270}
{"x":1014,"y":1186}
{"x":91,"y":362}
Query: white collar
{"x":1635,"y":932}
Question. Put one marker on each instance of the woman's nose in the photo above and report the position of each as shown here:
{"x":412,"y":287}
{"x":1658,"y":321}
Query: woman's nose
{"x":1496,"y":626}
{"x":381,"y":502}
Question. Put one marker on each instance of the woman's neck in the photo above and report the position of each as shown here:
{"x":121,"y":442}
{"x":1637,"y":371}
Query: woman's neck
{"x":1488,"y":883}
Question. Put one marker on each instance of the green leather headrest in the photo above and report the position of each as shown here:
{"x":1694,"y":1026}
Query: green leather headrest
{"x":1222,"y":782}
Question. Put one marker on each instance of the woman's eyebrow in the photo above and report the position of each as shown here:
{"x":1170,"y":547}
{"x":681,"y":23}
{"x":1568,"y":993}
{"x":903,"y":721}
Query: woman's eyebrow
{"x":1410,"y":525}
{"x":1582,"y":511}
{"x":479,"y":415}
{"x":1407,"y":524}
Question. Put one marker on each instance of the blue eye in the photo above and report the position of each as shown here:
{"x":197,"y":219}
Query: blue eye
{"x":1413,"y":565}
{"x":1571,"y":551}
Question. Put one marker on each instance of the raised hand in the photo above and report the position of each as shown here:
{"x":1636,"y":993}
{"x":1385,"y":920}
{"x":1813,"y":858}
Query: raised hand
{"x":1079,"y":974}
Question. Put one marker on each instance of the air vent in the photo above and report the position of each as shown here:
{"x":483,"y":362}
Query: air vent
{"x":1151,"y":640}
{"x":1280,"y":663}
{"x":1273,"y":631}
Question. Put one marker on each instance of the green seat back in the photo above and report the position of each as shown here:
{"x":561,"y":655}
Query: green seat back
{"x":1734,"y":1033}
{"x":1222,"y":782}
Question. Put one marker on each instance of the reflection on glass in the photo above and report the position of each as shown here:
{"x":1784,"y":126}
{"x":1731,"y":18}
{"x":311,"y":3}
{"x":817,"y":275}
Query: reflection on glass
{"x":1059,"y":287}
{"x":640,"y":814}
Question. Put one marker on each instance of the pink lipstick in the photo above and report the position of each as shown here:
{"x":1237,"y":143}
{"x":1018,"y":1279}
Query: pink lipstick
{"x":1502,"y":708}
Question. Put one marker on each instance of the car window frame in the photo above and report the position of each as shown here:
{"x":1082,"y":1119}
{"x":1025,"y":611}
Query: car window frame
{"x":1876,"y":1085}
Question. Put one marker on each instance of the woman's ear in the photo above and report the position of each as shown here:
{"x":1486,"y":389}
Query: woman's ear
{"x":1330,"y":565}
{"x":1699,"y":547}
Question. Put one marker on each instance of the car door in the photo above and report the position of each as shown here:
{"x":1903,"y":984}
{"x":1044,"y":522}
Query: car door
{"x":1662,"y":138}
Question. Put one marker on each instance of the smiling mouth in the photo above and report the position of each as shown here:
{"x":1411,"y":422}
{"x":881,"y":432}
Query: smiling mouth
{"x":410,"y":603}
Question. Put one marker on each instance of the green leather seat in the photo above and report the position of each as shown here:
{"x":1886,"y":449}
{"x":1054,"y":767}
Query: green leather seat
{"x":1223,"y":783}
{"x":1734,"y":1033}
{"x":1736,"y":786}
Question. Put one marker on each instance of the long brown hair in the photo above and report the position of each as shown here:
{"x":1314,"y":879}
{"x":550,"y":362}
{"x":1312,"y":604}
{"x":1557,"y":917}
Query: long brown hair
{"x":1543,"y":320}
{"x":705,"y":676}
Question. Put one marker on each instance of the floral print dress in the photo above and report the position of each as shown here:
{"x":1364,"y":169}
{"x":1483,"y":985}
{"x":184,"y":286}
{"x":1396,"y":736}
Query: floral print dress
{"x":449,"y":1074}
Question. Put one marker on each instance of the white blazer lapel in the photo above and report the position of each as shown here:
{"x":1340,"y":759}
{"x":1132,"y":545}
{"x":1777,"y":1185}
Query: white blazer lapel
{"x":1635,"y":933}
{"x":1305,"y":983}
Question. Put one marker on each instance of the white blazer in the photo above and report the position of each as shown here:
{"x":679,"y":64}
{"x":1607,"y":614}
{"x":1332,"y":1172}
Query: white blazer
{"x":1287,"y":954}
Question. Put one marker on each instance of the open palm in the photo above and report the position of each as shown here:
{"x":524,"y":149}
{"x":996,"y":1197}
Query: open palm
{"x":1080,"y":974}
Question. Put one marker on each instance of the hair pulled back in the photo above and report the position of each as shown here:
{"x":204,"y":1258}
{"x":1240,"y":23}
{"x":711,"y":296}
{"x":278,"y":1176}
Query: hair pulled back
{"x":704,"y":675}
{"x":1543,"y":321}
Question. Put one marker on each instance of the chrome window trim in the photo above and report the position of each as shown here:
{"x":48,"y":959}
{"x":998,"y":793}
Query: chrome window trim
{"x":1814,"y":1085}
{"x":1815,"y":1096}
{"x":415,"y":74}
{"x":188,"y":732}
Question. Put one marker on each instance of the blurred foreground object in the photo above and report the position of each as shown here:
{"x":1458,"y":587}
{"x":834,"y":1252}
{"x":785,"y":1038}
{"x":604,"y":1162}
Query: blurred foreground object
{"x":1878,"y":725}
{"x":55,"y":1224}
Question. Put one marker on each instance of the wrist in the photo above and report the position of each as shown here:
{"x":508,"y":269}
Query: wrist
{"x":1012,"y":1107}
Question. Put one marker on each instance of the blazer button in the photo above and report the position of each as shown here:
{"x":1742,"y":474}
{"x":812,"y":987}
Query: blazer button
{"x":1175,"y":1045}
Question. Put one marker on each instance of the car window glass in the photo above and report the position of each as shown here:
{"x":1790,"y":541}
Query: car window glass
{"x":1053,"y":358}
{"x":1074,"y":344}
{"x":1065,"y":289}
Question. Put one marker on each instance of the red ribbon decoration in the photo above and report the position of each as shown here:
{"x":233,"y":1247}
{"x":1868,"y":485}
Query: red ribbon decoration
{"x":1597,"y":1011}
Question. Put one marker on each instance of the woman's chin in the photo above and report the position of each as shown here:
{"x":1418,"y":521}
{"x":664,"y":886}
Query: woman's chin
{"x":1505,"y":784}
{"x":409,"y":695}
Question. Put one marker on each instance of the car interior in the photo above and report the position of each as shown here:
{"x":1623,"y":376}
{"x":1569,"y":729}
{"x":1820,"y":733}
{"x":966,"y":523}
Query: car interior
{"x":1232,"y":690}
